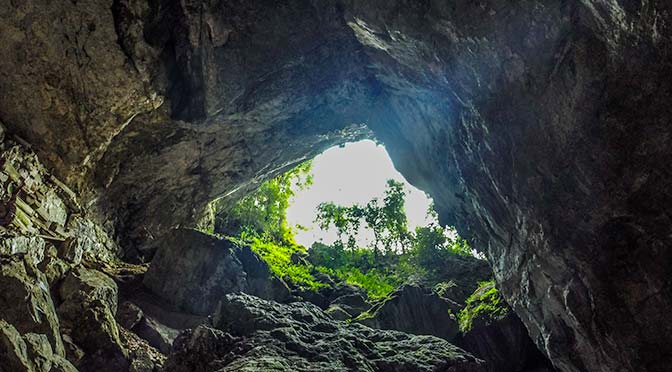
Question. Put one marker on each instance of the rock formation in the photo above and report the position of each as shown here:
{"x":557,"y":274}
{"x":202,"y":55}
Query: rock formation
{"x":540,"y":128}
{"x":300,"y":337}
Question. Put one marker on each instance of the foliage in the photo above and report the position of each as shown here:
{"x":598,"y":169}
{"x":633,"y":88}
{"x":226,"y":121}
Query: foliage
{"x":485,"y":303}
{"x":263,"y":213}
{"x":396,"y":256}
{"x":279,"y":259}
{"x":387,"y":220}
{"x":259,"y":220}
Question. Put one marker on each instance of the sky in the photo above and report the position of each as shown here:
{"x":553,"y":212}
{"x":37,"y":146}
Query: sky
{"x":355,"y":173}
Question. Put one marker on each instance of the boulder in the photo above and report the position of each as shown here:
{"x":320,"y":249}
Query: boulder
{"x":129,"y":315}
{"x":252,"y":334}
{"x":354,"y":304}
{"x":338,"y":312}
{"x":415,"y":310}
{"x":30,"y":246}
{"x":26,"y":301}
{"x":89,"y":304}
{"x":31,"y":352}
{"x":156,"y":334}
{"x":193,"y":271}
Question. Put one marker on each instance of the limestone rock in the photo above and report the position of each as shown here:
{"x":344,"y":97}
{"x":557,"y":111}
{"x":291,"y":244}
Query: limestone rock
{"x":338,"y":312}
{"x":27,"y":303}
{"x":89,"y":303}
{"x":194,"y":270}
{"x":28,"y":353}
{"x":505,"y":345}
{"x":83,"y":286}
{"x":156,"y":334}
{"x":540,"y":128}
{"x":256,"y":335}
{"x":354,"y":304}
{"x":129,"y":315}
{"x":415,"y":310}
{"x":30,"y":246}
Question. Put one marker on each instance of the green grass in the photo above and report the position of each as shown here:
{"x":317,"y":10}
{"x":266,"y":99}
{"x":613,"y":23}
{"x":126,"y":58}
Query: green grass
{"x":279,"y":259}
{"x":486,"y":303}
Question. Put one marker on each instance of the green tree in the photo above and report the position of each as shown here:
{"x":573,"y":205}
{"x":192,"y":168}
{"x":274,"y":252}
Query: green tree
{"x":387,"y":220}
{"x":263,"y":213}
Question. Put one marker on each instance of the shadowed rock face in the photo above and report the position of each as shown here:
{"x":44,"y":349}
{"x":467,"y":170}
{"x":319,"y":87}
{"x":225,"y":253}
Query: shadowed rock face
{"x":541,"y":129}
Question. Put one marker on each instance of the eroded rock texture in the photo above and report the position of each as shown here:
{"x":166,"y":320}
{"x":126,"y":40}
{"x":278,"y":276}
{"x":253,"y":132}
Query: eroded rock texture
{"x":300,"y":337}
{"x":541,"y":129}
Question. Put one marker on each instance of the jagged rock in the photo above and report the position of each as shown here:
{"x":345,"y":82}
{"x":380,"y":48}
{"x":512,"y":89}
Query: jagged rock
{"x":540,"y":128}
{"x":415,"y":310}
{"x":259,"y":279}
{"x":91,"y":240}
{"x":53,"y":267}
{"x":156,"y":334}
{"x":505,"y":345}
{"x":83,"y":286}
{"x":143,"y":357}
{"x":31,"y":246}
{"x":354,"y":304}
{"x":129,"y":314}
{"x":338,"y":312}
{"x":193,"y":270}
{"x":28,"y":353}
{"x":257,"y":335}
{"x":26,"y":301}
{"x":89,"y":303}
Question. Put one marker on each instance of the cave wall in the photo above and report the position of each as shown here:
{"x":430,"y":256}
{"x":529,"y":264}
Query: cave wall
{"x":540,"y":128}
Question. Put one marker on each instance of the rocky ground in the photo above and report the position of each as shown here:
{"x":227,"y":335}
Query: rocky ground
{"x":206,"y":304}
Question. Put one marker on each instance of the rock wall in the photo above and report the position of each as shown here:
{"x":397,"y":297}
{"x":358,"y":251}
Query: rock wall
{"x":539,"y":127}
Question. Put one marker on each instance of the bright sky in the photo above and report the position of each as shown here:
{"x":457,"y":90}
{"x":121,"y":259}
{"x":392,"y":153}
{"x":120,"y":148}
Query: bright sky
{"x":355,"y":173}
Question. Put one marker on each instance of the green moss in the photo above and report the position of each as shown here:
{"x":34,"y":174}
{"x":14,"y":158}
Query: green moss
{"x":376,"y":283}
{"x":486,"y":304}
{"x":279,"y":259}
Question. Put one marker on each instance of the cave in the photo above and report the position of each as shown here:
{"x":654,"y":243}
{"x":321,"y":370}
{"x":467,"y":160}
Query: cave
{"x":539,"y":128}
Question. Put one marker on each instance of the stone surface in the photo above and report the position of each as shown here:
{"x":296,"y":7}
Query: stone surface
{"x":504,"y":345}
{"x":28,"y":353}
{"x":156,"y":334}
{"x":265,"y":335}
{"x":194,"y":270}
{"x":540,"y":128}
{"x":415,"y":310}
{"x":89,"y":303}
{"x":26,"y":301}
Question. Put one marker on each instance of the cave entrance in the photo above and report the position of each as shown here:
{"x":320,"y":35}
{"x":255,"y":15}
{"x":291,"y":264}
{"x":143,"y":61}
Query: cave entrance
{"x":347,"y":216}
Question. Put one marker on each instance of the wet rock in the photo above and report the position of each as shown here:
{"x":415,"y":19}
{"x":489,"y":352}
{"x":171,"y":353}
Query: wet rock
{"x":27,"y":303}
{"x":415,"y":310}
{"x":354,"y":304}
{"x":194,"y":270}
{"x":255,"y":335}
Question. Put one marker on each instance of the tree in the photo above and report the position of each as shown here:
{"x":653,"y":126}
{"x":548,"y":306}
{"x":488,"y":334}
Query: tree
{"x":387,"y":220}
{"x":263,"y":213}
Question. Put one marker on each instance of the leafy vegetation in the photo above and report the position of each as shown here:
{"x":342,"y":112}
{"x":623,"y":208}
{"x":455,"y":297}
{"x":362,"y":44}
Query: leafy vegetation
{"x":260,"y":221}
{"x":486,"y":303}
{"x":395,"y":256}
